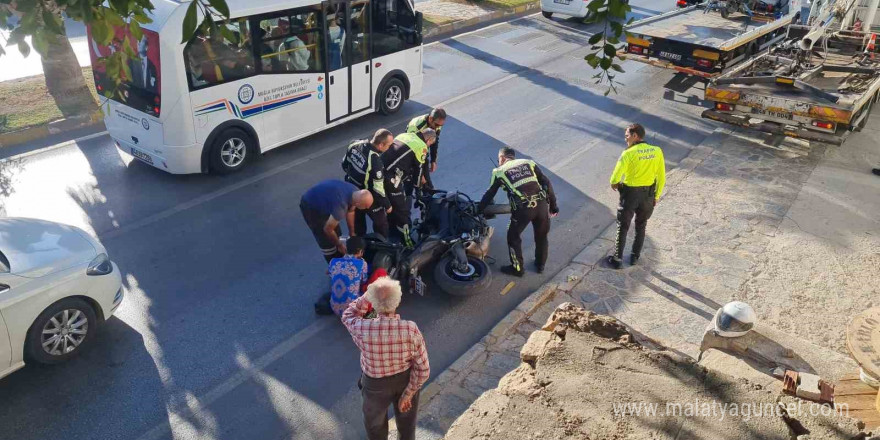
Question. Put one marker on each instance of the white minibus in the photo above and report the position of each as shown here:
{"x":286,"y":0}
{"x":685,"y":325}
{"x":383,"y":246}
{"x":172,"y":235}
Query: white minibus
{"x":294,"y":68}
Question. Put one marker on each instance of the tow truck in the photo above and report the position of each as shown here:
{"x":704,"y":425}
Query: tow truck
{"x":708,"y":39}
{"x":820,"y":84}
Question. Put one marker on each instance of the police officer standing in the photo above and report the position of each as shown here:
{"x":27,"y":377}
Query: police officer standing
{"x":364,"y":169}
{"x":435,"y":121}
{"x":639,"y":176}
{"x":405,"y":169}
{"x":532,"y":200}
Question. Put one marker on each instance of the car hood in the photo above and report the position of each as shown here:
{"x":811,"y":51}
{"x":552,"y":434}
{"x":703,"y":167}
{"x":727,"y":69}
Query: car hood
{"x":36,"y":248}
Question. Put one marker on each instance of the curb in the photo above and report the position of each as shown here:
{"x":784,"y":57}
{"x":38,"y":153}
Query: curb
{"x":564,"y":281}
{"x":53,"y":128}
{"x":448,"y":28}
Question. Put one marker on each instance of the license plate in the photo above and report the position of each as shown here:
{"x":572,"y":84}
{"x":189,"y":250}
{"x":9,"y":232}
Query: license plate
{"x":670,"y":56}
{"x":562,"y":2}
{"x":142,"y":156}
{"x":760,"y":111}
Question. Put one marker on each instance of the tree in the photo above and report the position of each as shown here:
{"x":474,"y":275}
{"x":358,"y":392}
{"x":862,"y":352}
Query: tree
{"x":605,"y":43}
{"x":43,"y":21}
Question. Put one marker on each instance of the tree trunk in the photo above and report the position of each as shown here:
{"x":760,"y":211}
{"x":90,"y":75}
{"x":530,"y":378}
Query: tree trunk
{"x":64,"y":79}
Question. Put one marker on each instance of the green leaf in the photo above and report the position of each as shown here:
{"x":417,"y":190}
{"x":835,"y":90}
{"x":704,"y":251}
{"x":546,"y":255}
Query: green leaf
{"x":41,"y":41}
{"x":607,"y":91}
{"x":142,"y":18}
{"x":99,"y":33}
{"x":596,"y":37}
{"x":126,"y":69}
{"x":593,"y":62}
{"x":24,"y":48}
{"x":114,"y":19}
{"x":616,"y":27}
{"x":221,"y":7}
{"x":605,"y":64}
{"x":228,"y":34}
{"x":591,"y":57}
{"x":595,"y":5}
{"x":189,"y":22}
{"x":610,"y":50}
{"x":617,"y":67}
{"x":51,"y":22}
{"x":613,"y":40}
{"x":135,"y":30}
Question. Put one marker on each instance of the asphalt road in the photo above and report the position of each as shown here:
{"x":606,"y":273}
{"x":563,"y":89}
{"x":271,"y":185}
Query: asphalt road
{"x":217,"y":338}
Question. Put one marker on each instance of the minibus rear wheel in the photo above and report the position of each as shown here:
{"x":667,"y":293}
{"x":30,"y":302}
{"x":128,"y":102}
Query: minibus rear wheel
{"x":231,"y":151}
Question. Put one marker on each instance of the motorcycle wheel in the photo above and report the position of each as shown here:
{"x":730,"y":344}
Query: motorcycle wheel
{"x":477,"y":279}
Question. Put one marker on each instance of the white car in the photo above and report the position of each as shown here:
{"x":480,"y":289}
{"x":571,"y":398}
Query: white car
{"x":57,"y":285}
{"x":574,"y":8}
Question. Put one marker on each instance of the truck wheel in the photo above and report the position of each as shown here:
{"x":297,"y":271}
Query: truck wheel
{"x":391,"y":97}
{"x":230,"y":151}
{"x":471,"y":282}
{"x":866,"y":112}
{"x":547,"y":14}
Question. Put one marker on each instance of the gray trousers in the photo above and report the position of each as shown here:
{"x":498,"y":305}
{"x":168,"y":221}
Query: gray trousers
{"x":378,"y":394}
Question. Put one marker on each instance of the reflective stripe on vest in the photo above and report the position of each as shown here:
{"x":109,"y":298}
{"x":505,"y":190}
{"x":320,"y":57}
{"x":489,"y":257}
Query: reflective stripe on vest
{"x":419,"y":121}
{"x":416,"y":144}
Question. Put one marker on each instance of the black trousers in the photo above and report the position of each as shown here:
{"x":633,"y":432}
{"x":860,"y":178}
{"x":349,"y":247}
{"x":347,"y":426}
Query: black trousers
{"x":539,"y":217}
{"x":378,"y":395}
{"x":635,"y":201}
{"x":316,"y":221}
{"x":400,"y":219}
{"x":379,"y":217}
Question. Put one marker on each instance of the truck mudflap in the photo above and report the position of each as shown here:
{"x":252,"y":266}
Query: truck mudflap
{"x":774,"y":128}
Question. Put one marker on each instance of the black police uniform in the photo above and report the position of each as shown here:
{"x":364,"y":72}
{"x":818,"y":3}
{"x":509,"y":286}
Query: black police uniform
{"x":404,"y":167}
{"x":532,"y":199}
{"x":364,"y":168}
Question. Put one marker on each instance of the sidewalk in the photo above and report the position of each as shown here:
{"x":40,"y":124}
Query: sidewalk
{"x":793,"y":230}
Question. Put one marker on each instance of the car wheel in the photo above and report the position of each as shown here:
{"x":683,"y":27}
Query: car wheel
{"x":547,"y":14}
{"x":61,"y":331}
{"x":230,"y":151}
{"x":391,"y":98}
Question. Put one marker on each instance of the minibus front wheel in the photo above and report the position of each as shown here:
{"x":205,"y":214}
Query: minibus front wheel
{"x":231,"y":151}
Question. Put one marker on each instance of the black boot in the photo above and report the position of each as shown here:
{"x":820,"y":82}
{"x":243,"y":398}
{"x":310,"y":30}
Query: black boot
{"x":322,"y":305}
{"x":876,"y":171}
{"x":510,"y":270}
{"x":539,"y":268}
{"x":633,"y":259}
{"x":614,"y":262}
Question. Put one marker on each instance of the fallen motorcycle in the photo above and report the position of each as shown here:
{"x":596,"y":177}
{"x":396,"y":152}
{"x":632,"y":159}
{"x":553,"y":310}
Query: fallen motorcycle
{"x":451,"y":233}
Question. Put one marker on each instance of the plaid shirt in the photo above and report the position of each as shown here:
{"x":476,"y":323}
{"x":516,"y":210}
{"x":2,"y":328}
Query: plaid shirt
{"x":388,"y":344}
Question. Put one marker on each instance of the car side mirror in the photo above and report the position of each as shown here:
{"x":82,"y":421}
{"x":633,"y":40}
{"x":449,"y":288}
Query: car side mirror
{"x":420,"y":21}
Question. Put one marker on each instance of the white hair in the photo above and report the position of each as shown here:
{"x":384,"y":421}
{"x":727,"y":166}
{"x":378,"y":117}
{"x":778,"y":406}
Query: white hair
{"x":384,"y":294}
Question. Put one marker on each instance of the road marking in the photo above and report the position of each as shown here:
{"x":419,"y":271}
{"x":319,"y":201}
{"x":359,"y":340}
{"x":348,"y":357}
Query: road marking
{"x":480,"y":30}
{"x":181,"y":412}
{"x":53,"y":147}
{"x":507,"y":288}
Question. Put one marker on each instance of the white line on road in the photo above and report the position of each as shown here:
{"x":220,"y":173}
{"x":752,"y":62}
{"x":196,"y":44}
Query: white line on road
{"x":182,"y":413}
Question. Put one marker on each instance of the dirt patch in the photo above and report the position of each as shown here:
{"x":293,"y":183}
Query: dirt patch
{"x":596,"y":382}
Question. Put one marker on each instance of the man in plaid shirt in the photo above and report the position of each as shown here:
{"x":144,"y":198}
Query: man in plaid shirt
{"x":393,"y":359}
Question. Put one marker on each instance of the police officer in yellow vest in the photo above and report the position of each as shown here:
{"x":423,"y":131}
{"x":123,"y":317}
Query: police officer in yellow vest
{"x":435,"y":121}
{"x":639,"y":176}
{"x":533,"y":201}
{"x":404,"y":170}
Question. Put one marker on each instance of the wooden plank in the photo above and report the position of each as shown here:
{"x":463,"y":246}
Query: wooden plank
{"x":857,"y":402}
{"x":850,"y":388}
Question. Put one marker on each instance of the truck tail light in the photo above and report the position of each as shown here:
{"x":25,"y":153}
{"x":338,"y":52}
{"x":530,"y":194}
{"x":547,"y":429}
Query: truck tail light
{"x":825,"y":125}
{"x":769,"y":8}
{"x":636,"y":49}
{"x":681,"y":3}
{"x":705,"y":63}
{"x":723,"y":107}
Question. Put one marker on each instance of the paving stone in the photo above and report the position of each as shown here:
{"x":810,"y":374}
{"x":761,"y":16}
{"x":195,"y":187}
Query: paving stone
{"x":478,"y":383}
{"x":500,"y":364}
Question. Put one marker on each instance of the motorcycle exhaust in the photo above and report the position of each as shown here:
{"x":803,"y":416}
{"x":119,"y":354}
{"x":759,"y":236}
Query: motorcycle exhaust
{"x":481,"y":249}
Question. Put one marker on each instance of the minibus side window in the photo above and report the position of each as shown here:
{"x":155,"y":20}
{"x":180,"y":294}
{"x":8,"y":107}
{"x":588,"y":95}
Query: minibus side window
{"x":291,"y":42}
{"x":211,"y":59}
{"x":394,"y":27}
